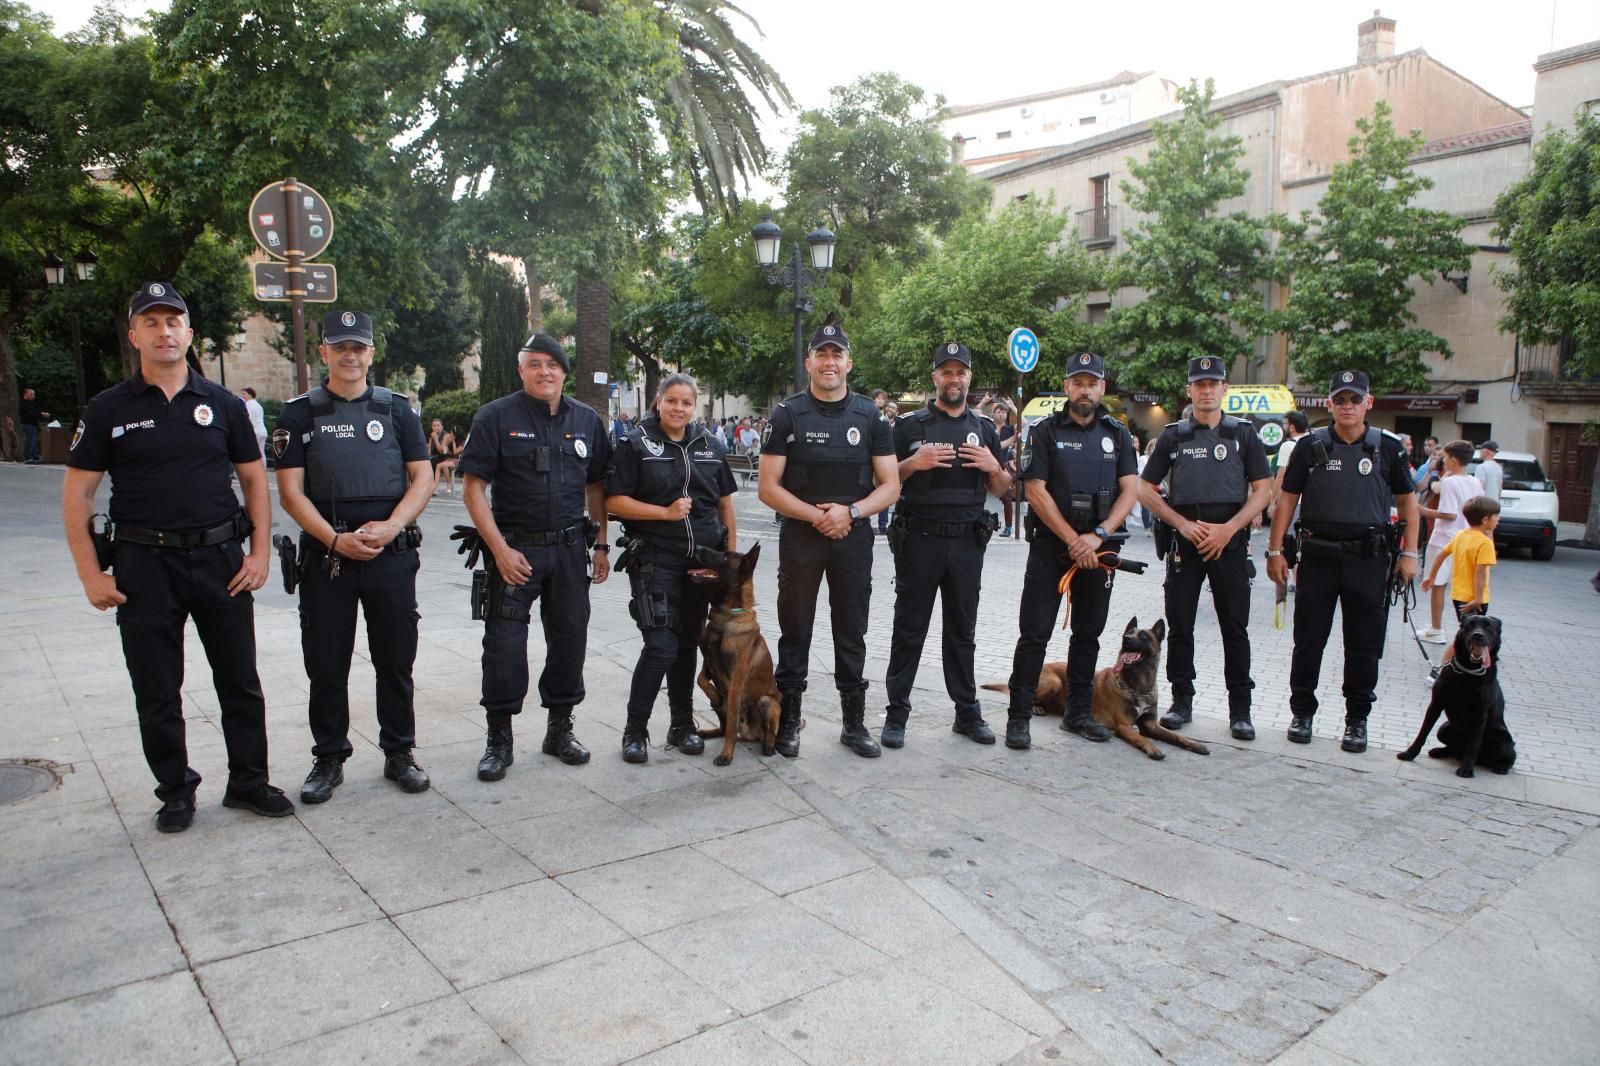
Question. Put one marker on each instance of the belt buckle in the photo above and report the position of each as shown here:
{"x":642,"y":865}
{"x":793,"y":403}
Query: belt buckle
{"x":161,"y":538}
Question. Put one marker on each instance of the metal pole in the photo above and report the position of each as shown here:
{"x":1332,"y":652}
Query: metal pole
{"x":77,"y":362}
{"x":297,"y":288}
{"x":799,"y":325}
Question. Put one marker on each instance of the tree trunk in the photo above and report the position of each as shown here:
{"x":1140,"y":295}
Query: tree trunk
{"x":10,"y":415}
{"x":1591,"y":529}
{"x":535,"y":304}
{"x":130,"y":355}
{"x":652,"y":381}
{"x":594,"y":342}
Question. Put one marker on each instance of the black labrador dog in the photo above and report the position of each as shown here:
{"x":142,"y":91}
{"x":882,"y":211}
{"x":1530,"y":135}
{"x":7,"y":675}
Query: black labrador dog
{"x":1468,"y":695}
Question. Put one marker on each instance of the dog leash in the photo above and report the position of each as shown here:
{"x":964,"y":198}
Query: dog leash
{"x":1064,"y":586}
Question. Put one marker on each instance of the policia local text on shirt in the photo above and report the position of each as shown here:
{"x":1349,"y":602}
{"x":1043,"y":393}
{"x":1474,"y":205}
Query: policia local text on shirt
{"x":170,"y":439}
{"x":353,"y":472}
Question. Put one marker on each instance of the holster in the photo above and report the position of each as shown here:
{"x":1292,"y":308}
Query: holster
{"x":102,"y":539}
{"x":648,"y":605}
{"x":480,"y":595}
{"x":984,"y":529}
{"x":896,"y":536}
{"x":288,"y":562}
{"x":511,"y":602}
{"x":1163,"y":535}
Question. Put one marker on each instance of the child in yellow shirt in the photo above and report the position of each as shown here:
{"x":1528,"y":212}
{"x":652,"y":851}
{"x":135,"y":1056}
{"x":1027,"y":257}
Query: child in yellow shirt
{"x":1473,"y":550}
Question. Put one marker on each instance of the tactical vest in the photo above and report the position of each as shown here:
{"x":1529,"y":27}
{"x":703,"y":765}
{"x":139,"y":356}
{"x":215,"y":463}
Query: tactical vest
{"x":1207,"y":464}
{"x":1352,"y":488}
{"x":1090,"y":467}
{"x":958,"y":485}
{"x":669,"y":470}
{"x":354,"y":450}
{"x":830,"y":457}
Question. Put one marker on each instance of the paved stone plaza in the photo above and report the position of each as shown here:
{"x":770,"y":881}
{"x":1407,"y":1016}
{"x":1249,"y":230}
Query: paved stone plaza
{"x":946,"y":903}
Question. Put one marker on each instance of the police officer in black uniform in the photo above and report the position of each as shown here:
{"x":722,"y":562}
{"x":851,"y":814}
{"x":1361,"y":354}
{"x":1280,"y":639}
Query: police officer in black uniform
{"x":823,"y":451}
{"x":353,"y":472}
{"x":170,"y":440}
{"x":671,"y":487}
{"x":950,"y":462}
{"x":1220,"y":482}
{"x":1081,"y":472}
{"x":1345,"y":478}
{"x":545,"y":455}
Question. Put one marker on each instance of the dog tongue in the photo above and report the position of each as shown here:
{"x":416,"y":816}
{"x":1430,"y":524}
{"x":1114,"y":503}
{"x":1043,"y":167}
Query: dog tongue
{"x":1485,"y":659}
{"x":703,"y":573}
{"x":1128,"y":658}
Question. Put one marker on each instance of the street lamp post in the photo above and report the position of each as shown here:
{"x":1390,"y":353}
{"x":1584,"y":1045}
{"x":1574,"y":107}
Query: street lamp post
{"x":797,"y":277}
{"x":55,"y":272}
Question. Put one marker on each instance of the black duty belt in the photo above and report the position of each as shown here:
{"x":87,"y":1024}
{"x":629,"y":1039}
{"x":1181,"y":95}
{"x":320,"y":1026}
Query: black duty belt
{"x":937,"y":529}
{"x":1358,"y":542}
{"x":544,"y":538}
{"x":232,"y":529}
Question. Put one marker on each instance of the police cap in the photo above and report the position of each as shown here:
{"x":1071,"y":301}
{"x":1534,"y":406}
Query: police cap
{"x":543,"y":342}
{"x":156,"y":294}
{"x":1086,"y":363}
{"x":346,"y":326}
{"x":952,"y":351}
{"x":1207,"y":368}
{"x":1349,"y":381}
{"x":833,"y":335}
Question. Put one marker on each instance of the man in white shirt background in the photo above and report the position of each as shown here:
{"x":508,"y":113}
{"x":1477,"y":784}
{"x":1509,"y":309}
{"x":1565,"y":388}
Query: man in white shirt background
{"x":1490,"y":474}
{"x":258,"y":417}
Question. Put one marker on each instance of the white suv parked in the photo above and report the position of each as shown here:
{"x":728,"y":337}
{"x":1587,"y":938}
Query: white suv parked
{"x":1528,"y":505}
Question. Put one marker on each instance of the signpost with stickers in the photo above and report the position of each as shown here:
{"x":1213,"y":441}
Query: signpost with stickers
{"x":292,"y":222}
{"x":1022,"y":349}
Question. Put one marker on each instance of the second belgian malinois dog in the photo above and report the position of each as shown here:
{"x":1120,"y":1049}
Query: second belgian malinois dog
{"x":1125,"y":694}
{"x":736,"y":666}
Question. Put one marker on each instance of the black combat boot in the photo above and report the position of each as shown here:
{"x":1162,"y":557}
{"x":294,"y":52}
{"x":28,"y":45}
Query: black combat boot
{"x":1300,"y":729}
{"x":1355,"y":735}
{"x":497,"y":755}
{"x":327,"y":774}
{"x":893,"y":733}
{"x":969,"y":723}
{"x":1239,"y":724}
{"x":854,"y":735}
{"x":681,"y":734}
{"x":559,"y":741}
{"x":1018,"y":731}
{"x":401,"y":768}
{"x":1083,"y":724}
{"x":635,"y":740}
{"x":1180,"y":714}
{"x":788,"y":743}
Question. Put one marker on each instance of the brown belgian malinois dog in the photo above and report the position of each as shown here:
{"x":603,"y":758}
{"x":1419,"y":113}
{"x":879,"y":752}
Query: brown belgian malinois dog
{"x":736,"y":670}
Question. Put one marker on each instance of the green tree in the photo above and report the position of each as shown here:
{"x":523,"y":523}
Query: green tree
{"x":877,"y":168}
{"x":989,"y":276}
{"x":1199,"y":266}
{"x":1354,"y":261}
{"x":502,"y":326}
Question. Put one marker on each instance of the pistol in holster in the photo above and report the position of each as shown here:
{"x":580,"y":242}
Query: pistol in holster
{"x":480,"y":595}
{"x":984,"y":529}
{"x":897,"y":536}
{"x":288,"y":562}
{"x":1163,"y":536}
{"x":102,"y":539}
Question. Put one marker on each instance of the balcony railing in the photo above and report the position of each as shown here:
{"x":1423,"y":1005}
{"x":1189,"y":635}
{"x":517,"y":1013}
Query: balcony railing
{"x":1545,"y":366}
{"x":1097,"y":226}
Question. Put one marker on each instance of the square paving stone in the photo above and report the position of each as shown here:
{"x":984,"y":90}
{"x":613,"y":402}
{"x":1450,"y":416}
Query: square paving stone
{"x":216,"y":850}
{"x":764,"y":954}
{"x":406,"y":875}
{"x":608,"y":1006}
{"x":283,"y":994}
{"x":877,"y":908}
{"x":655,"y":892}
{"x":525,"y":792}
{"x":957,"y":964}
{"x":891,"y":1014}
{"x":585,"y":837}
{"x":484,"y":938}
{"x":709,"y":809}
{"x":236,"y":917}
{"x":29,"y":834}
{"x":51,"y":885}
{"x":735,"y":1044}
{"x":443,"y":1031}
{"x":163,"y":1019}
{"x":62,"y":956}
{"x":788,"y":856}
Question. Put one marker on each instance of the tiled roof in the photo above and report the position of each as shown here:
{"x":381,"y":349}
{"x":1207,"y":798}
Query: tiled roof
{"x":1127,"y":77}
{"x":1484,"y":138}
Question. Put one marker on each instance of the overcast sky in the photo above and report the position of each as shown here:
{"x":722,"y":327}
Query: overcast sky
{"x":975,"y":52}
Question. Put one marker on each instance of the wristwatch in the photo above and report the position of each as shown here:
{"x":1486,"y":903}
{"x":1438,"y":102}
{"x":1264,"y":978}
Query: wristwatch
{"x":855,"y":512}
{"x":1274,"y":553}
{"x":1100,"y":531}
{"x":601,"y":547}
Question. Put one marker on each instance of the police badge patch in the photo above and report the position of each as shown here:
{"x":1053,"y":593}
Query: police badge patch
{"x":1106,"y":445}
{"x":766,"y":432}
{"x":654,"y":447}
{"x":279,"y":443}
{"x":77,"y":435}
{"x":972,"y":439}
{"x":853,"y":435}
{"x":1365,"y":466}
{"x":1220,"y":451}
{"x":375,"y":430}
{"x":348,"y":318}
{"x":203,"y":415}
{"x":581,"y":448}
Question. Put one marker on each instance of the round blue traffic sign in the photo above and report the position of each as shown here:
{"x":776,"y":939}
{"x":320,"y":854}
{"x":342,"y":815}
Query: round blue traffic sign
{"x":1023,"y":349}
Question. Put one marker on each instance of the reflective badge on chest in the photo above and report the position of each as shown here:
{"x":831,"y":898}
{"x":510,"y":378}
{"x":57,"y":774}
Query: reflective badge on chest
{"x":654,"y":447}
{"x":1365,"y":466}
{"x":1220,"y":451}
{"x":1106,"y":445}
{"x":972,"y":439}
{"x":581,"y":448}
{"x":375,"y":430}
{"x":203,"y":415}
{"x":853,"y":435}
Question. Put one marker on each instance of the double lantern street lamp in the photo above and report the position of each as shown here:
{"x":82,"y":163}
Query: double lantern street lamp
{"x":797,"y":276}
{"x":55,"y":272}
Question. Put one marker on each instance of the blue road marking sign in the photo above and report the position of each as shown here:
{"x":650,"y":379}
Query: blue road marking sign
{"x":1023,"y":349}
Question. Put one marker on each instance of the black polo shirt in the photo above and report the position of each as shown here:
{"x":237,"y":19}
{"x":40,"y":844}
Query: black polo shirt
{"x":170,"y":461}
{"x":537,"y":464}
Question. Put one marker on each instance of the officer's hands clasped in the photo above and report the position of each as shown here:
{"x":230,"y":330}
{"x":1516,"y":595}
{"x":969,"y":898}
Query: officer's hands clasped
{"x":834,"y":521}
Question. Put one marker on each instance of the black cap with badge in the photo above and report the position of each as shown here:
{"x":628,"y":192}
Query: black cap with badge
{"x":543,"y":342}
{"x":952,"y":351}
{"x":826,"y":335}
{"x":1207,"y":368}
{"x":1349,"y":381}
{"x":346,"y":326}
{"x":1086,"y":363}
{"x":156,"y":294}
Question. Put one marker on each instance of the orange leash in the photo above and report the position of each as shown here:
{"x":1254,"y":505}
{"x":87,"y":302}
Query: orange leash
{"x":1064,"y":586}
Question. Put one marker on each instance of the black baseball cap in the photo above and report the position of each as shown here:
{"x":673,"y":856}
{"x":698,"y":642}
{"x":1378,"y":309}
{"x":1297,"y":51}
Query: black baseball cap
{"x":156,"y":294}
{"x":952,"y":350}
{"x":1349,"y":381}
{"x":1207,"y":368}
{"x":833,"y":335}
{"x":543,"y":342}
{"x":1489,"y":446}
{"x":1085,"y":363}
{"x":346,"y":326}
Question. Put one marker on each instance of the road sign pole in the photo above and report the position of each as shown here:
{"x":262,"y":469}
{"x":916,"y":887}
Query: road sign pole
{"x":297,"y":289}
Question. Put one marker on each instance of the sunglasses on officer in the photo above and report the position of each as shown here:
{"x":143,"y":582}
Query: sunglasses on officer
{"x":1345,"y":399}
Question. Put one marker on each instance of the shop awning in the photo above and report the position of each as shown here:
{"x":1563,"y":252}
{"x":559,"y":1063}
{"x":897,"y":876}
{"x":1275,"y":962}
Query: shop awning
{"x":1398,"y":401}
{"x":1244,"y":401}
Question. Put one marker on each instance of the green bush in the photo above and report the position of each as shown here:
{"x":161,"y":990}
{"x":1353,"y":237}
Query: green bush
{"x":454,"y":408}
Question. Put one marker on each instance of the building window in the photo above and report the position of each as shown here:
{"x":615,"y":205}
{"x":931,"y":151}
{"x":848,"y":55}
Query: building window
{"x":1088,"y":120}
{"x":1003,"y":135}
{"x":1475,"y":432}
{"x":1100,"y":188}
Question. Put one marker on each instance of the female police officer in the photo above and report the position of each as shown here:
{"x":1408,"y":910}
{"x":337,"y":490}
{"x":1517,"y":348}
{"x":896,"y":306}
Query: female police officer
{"x":670,"y":485}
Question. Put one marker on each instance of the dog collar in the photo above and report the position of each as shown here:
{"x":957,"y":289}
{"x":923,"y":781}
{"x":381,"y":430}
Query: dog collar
{"x":1455,"y":664}
{"x":735,"y":610}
